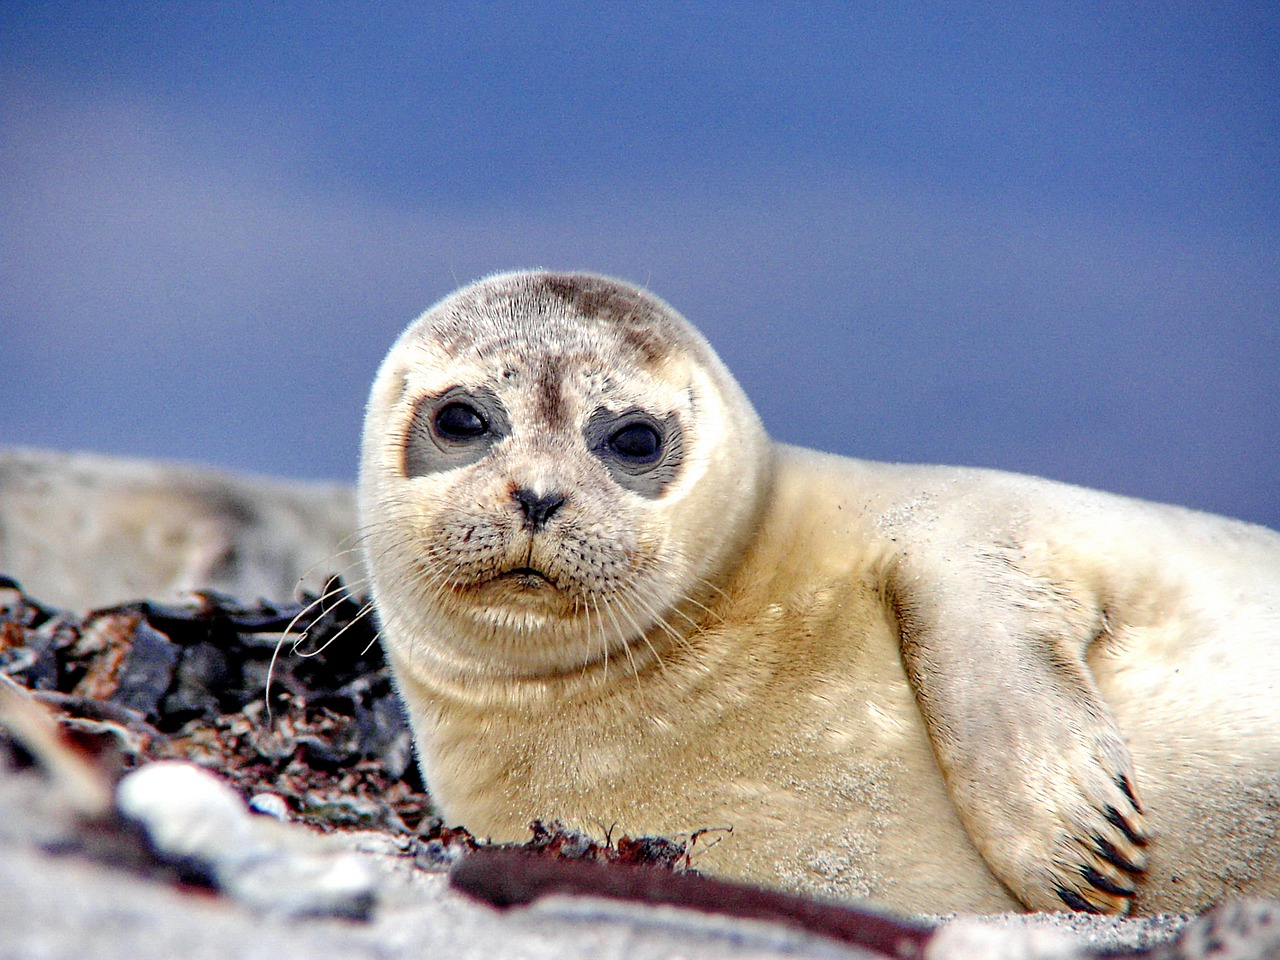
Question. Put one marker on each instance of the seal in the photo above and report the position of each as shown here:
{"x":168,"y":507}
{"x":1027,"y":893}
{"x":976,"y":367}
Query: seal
{"x":610,"y":599}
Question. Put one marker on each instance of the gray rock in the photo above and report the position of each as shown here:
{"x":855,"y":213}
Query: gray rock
{"x":81,"y":531}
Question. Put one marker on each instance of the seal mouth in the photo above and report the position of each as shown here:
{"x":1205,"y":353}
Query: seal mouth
{"x":526,"y":577}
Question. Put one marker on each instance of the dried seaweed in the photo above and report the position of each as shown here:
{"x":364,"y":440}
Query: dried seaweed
{"x":190,"y":682}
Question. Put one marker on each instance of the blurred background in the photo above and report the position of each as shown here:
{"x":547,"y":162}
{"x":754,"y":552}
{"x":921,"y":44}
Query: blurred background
{"x":1043,"y":237}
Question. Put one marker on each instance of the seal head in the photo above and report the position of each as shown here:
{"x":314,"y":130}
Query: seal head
{"x":542,"y":452}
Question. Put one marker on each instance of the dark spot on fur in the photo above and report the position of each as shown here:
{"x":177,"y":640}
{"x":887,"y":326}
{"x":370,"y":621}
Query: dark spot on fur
{"x":548,"y":387}
{"x":634,"y":314}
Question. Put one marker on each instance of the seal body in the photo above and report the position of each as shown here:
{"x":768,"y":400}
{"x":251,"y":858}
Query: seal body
{"x":610,"y":600}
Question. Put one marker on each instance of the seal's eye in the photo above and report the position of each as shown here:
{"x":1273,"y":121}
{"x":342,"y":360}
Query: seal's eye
{"x":642,"y":452}
{"x":453,"y":429}
{"x":460,"y":422}
{"x":637,"y":443}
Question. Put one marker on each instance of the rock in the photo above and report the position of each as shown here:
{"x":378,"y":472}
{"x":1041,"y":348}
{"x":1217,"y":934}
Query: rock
{"x":197,"y":822}
{"x":84,"y":531}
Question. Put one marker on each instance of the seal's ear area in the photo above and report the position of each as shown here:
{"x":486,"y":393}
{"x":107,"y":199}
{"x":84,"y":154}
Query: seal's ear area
{"x":453,"y":429}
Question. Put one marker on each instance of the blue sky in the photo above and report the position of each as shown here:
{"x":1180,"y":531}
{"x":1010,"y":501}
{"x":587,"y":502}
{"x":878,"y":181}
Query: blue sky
{"x":1041,"y":238}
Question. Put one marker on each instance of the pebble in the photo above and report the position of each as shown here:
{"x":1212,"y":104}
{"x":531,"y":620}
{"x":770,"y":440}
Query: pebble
{"x":194,"y":819}
{"x":269,"y":804}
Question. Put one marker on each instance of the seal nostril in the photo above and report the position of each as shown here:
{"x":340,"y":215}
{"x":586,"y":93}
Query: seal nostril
{"x":537,"y":509}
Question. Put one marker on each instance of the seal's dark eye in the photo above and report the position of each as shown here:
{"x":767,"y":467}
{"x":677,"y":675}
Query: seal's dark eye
{"x":453,"y":429}
{"x":642,"y":452}
{"x":460,"y":421}
{"x":637,"y":442}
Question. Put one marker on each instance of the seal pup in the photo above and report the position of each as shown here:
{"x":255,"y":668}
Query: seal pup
{"x":609,"y":598}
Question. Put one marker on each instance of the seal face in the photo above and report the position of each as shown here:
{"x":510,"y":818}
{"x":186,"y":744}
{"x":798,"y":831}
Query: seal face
{"x":538,"y":444}
{"x":608,"y":598}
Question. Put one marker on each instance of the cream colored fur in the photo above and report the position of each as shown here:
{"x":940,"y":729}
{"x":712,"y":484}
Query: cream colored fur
{"x":930,"y":686}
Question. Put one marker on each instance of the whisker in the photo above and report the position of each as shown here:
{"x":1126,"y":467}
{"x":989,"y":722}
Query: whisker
{"x":377,"y":634}
{"x":336,"y":591}
{"x":644,"y":636}
{"x":604,"y":636}
{"x":626,"y":647}
{"x":345,"y":627}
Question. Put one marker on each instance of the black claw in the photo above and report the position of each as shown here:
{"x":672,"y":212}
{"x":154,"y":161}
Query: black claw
{"x":1075,"y":901}
{"x":1106,"y":884}
{"x":1117,"y":821}
{"x":1114,"y":856}
{"x":1122,"y":781}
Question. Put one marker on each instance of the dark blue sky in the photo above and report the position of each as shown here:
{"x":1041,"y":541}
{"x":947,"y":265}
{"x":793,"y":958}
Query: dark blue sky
{"x":1043,"y":239}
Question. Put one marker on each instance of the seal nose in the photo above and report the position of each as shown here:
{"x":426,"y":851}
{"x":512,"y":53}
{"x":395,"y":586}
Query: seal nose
{"x":537,"y":509}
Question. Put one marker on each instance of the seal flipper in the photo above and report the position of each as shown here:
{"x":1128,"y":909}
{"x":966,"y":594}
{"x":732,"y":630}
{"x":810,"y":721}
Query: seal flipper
{"x":1033,"y":759}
